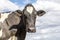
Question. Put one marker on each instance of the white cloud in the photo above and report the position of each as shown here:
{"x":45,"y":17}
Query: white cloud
{"x":6,"y":4}
{"x":46,"y":4}
{"x":50,"y":30}
{"x":49,"y":24}
{"x":36,"y":37}
{"x":52,"y":15}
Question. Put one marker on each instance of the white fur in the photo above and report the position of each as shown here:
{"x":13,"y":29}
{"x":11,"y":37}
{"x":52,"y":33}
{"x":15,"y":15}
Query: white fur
{"x":13,"y":38}
{"x":1,"y":33}
{"x":29,"y":9}
{"x":31,"y":28}
{"x":4,"y":16}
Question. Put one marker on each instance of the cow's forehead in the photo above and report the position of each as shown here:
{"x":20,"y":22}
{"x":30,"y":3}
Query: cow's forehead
{"x":29,"y":9}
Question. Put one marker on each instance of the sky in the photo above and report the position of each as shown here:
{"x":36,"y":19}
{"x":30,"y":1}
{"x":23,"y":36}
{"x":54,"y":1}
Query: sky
{"x":11,"y":5}
{"x":47,"y":26}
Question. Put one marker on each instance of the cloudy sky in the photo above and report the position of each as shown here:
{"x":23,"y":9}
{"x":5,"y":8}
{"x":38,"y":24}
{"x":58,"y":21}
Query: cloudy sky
{"x":47,"y":26}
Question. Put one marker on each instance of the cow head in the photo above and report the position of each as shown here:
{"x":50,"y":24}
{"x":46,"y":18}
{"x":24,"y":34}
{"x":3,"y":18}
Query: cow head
{"x":30,"y":13}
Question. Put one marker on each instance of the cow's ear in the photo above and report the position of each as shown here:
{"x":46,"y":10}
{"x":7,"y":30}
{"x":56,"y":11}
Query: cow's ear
{"x":17,"y":12}
{"x":41,"y":12}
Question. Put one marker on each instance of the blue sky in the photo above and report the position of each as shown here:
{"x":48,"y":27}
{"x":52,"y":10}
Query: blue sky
{"x":16,"y":4}
{"x":22,"y":2}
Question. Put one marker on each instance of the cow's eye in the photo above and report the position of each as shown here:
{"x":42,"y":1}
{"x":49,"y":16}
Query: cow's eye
{"x":29,"y":9}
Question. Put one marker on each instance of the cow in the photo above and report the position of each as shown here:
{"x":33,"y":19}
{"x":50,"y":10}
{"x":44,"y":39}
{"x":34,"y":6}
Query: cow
{"x":28,"y":21}
{"x":18,"y":23}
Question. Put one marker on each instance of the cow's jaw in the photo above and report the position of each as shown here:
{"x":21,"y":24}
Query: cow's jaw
{"x":29,"y":9}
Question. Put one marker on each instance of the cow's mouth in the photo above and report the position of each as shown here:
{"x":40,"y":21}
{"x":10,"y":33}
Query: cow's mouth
{"x":29,"y":9}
